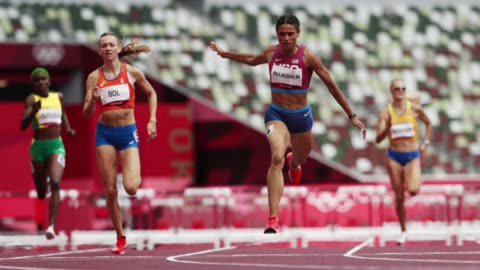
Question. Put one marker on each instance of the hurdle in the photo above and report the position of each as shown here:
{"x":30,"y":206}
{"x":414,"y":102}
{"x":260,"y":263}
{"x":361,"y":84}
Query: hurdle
{"x":22,"y":240}
{"x":105,"y":238}
{"x":292,"y":196}
{"x":359,"y":234}
{"x":420,"y":231}
{"x":452,"y":195}
{"x":217,"y":198}
{"x":255,"y":236}
{"x":449,"y":195}
{"x":173,"y":203}
{"x":141,"y":206}
{"x":372,"y":195}
{"x":183,"y":236}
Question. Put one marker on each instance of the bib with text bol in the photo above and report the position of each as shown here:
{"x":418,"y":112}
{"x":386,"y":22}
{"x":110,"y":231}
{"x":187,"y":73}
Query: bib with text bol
{"x":115,"y":94}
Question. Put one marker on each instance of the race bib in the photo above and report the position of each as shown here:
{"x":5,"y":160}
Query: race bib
{"x":402,"y":130}
{"x":284,"y":74}
{"x":50,"y":116}
{"x":115,"y":94}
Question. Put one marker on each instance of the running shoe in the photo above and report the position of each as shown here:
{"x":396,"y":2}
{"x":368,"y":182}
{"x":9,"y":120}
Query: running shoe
{"x":50,"y":232}
{"x":295,"y":175}
{"x":272,"y":226}
{"x":120,"y":246}
{"x":402,"y":239}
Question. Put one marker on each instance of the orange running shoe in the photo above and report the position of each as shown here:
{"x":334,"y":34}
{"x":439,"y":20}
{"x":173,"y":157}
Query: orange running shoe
{"x":295,"y":175}
{"x":272,"y":225}
{"x":120,"y":246}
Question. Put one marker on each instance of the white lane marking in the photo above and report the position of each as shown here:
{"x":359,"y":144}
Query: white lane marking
{"x":29,"y":268}
{"x":425,"y":253}
{"x":178,"y":259}
{"x":358,"y":247}
{"x":414,"y":260}
{"x":53,"y":254}
{"x":374,"y":257}
{"x":175,"y":257}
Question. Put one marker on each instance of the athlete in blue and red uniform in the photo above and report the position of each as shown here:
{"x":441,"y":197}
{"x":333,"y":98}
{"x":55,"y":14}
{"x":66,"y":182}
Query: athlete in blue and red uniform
{"x":289,"y":118}
{"x":112,"y":87}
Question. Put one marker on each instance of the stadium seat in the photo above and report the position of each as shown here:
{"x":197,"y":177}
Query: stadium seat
{"x":432,"y":47}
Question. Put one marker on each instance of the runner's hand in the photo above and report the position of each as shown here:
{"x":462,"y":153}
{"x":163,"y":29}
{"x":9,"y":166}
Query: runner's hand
{"x":151,"y":130}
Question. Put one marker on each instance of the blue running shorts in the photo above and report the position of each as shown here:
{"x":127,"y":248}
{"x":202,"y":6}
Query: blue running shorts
{"x":120,"y":137}
{"x":403,"y":157}
{"x":297,"y":121}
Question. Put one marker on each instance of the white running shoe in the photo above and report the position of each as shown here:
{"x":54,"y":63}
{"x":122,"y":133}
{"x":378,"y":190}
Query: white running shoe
{"x":50,"y":232}
{"x":402,"y":239}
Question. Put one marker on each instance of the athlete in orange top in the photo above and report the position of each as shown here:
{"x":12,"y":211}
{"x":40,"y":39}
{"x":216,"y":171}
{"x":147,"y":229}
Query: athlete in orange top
{"x":111,"y":86}
{"x":398,"y":121}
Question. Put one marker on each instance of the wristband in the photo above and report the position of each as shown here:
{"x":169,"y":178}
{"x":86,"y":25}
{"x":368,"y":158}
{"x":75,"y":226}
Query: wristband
{"x":352,"y":115}
{"x":426,"y":142}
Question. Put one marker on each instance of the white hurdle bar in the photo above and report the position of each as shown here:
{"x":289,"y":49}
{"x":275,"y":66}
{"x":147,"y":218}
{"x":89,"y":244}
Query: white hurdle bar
{"x":420,"y":231}
{"x":183,"y":236}
{"x":109,"y":238}
{"x":308,"y":235}
{"x":216,"y":197}
{"x":374,"y":195}
{"x":142,"y":239}
{"x":150,"y":238}
{"x":255,"y":236}
{"x":17,"y":240}
{"x":291,"y":195}
{"x":452,"y":195}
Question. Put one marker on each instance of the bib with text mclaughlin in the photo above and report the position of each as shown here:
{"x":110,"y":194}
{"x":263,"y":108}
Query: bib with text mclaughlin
{"x":115,"y":94}
{"x":290,"y":75}
{"x":402,"y":130}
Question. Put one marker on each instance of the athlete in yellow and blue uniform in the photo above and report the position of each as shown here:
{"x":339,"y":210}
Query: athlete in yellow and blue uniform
{"x":44,"y":110}
{"x":403,"y":127}
{"x":398,"y":121}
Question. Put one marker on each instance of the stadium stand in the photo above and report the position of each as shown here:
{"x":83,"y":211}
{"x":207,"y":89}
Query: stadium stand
{"x":434,"y":48}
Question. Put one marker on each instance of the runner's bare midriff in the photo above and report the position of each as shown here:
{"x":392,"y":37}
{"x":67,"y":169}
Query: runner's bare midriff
{"x":48,"y":133}
{"x":290,"y":101}
{"x":117,"y":118}
{"x":404,"y":145}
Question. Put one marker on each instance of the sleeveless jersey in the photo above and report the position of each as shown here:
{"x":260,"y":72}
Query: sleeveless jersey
{"x":116,"y":93}
{"x":50,"y":113}
{"x":403,"y":126}
{"x":288,"y":74}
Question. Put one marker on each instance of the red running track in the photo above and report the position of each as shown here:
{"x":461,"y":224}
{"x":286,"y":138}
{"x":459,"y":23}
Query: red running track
{"x":361,"y":256}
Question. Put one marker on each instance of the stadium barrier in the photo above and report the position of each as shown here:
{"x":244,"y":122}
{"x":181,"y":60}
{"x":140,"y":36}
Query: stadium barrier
{"x":218,"y":207}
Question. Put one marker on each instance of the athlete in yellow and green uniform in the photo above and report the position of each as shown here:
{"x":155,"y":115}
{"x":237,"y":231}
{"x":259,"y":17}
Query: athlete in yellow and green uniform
{"x":44,"y":110}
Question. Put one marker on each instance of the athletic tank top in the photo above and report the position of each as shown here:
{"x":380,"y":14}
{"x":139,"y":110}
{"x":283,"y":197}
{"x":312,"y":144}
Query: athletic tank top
{"x":403,"y":126}
{"x":116,"y":93}
{"x":288,"y":74}
{"x":50,"y":113}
